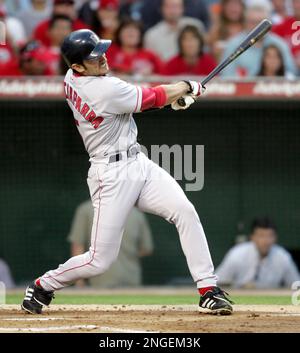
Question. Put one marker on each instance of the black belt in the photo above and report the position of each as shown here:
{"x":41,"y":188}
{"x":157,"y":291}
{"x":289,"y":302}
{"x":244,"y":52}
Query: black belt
{"x":118,"y":157}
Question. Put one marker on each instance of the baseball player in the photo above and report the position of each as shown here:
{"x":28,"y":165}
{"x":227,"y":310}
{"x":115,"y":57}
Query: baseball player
{"x":120,"y":176}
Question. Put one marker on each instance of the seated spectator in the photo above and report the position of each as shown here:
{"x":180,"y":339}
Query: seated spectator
{"x":280,"y":11}
{"x":191,"y":58}
{"x":260,"y":262}
{"x":227,"y":24}
{"x":127,"y":56}
{"x":8,"y":59}
{"x":31,"y":17}
{"x":107,"y":19}
{"x":151,"y":12}
{"x":162,"y":38}
{"x":5,"y":275}
{"x":136,"y":243}
{"x":60,"y":7}
{"x":272,"y":63}
{"x":59,"y":27}
{"x":249,"y":63}
{"x":14,"y":28}
{"x":36,"y":60}
{"x":132,"y":9}
{"x":289,"y":31}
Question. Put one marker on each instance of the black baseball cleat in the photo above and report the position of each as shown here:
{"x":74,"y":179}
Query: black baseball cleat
{"x":215,"y":301}
{"x":35,"y":298}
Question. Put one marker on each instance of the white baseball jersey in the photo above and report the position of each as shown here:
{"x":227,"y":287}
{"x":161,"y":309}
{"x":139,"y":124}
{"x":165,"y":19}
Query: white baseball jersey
{"x":102,"y":108}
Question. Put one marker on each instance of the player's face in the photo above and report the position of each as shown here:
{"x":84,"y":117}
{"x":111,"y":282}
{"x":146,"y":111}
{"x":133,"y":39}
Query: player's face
{"x":263,"y":239}
{"x":97,"y":67}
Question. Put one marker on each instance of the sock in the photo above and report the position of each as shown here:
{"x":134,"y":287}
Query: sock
{"x":202,"y":291}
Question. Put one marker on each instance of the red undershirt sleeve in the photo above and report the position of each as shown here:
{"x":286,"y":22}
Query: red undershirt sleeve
{"x":154,"y":97}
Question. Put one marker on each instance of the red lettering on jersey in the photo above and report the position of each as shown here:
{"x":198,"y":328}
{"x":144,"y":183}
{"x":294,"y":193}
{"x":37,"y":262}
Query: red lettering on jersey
{"x":74,"y":99}
{"x":70,"y":93}
{"x":96,"y":122}
{"x":85,"y":109}
{"x":92,"y":115}
{"x":78,"y":103}
{"x":66,"y":89}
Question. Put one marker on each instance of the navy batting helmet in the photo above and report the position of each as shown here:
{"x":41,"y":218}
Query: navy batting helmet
{"x":83,"y":45}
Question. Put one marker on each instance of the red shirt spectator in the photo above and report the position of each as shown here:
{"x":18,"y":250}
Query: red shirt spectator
{"x":60,"y":7}
{"x":289,"y":30}
{"x":128,"y":56}
{"x":9,"y":65}
{"x":191,"y":59}
{"x":35,"y":60}
{"x":141,"y":61}
{"x":107,"y":19}
{"x":178,"y":66}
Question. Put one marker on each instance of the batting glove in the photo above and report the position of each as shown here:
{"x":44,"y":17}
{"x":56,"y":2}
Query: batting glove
{"x":184,"y":102}
{"x":196,"y":89}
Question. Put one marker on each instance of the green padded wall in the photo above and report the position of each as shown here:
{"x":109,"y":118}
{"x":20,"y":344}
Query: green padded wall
{"x":251,"y":168}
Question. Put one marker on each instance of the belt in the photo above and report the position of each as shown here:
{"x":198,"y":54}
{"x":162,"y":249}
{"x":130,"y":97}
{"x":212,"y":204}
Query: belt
{"x":131,"y":152}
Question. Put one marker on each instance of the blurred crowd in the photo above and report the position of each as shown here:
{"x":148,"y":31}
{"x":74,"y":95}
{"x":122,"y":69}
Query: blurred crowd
{"x":164,"y":37}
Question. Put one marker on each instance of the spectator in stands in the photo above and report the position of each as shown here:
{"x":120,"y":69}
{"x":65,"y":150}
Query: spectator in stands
{"x":88,"y":12}
{"x":136,"y":243}
{"x":8,"y":57}
{"x":289,"y":30}
{"x":36,"y":60}
{"x":151,"y":12}
{"x":272,"y":63}
{"x":191,"y":58}
{"x":5,"y":275}
{"x":107,"y":19}
{"x":162,"y":38}
{"x":59,"y":27}
{"x":132,"y":9}
{"x":249,"y":63}
{"x":128,"y":56}
{"x":60,"y":7}
{"x":260,"y":262}
{"x":14,"y":27}
{"x":280,"y":11}
{"x":228,"y":23}
{"x":31,"y":17}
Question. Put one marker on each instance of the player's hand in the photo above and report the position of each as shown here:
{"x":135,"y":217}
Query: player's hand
{"x":196,"y":89}
{"x":183,"y":102}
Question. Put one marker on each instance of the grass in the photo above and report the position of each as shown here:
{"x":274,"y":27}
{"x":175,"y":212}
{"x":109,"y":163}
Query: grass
{"x":152,"y":299}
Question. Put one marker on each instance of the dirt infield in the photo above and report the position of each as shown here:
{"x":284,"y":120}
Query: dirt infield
{"x":150,"y":318}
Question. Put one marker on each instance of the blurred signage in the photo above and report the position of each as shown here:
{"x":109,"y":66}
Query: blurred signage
{"x":52,"y":88}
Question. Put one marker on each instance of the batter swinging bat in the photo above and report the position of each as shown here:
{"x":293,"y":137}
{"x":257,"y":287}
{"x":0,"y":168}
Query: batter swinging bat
{"x":257,"y":33}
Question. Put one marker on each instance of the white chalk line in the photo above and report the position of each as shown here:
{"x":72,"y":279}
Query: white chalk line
{"x":33,"y":319}
{"x":45,"y":329}
{"x":117,"y":329}
{"x":71,"y":327}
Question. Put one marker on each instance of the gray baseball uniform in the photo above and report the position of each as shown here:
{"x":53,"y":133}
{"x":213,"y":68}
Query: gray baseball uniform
{"x":120,"y":177}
